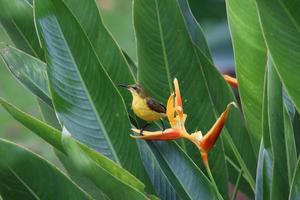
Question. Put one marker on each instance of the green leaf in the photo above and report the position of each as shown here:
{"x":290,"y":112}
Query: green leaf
{"x":84,"y":182}
{"x":97,"y":174}
{"x":289,"y":104}
{"x":30,"y":71}
{"x":163,"y":185}
{"x":277,"y":138}
{"x":19,"y":24}
{"x":264,"y":174}
{"x":17,"y":19}
{"x":280,"y":21}
{"x":265,"y":159}
{"x":250,"y":59}
{"x":290,"y":144}
{"x":194,"y":28}
{"x":107,"y":50}
{"x":296,"y":128}
{"x":81,"y":90}
{"x":131,"y":63}
{"x":49,"y":134}
{"x":233,"y":172}
{"x":193,"y":182}
{"x":53,"y":136}
{"x":25,"y":175}
{"x":49,"y":115}
{"x":295,"y":188}
{"x":165,"y":51}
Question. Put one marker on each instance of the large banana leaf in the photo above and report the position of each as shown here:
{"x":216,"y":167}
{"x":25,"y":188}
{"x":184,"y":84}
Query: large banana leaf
{"x":108,"y":171}
{"x":250,"y":59}
{"x":277,"y":138}
{"x":86,"y":100}
{"x":280,"y":21}
{"x":107,"y":50}
{"x":25,"y":175}
{"x":166,"y":50}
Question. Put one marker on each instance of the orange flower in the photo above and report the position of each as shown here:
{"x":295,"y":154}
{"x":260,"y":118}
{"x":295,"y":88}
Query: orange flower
{"x":206,"y":143}
{"x":177,"y":117}
{"x":168,"y":134}
{"x":231,"y":81}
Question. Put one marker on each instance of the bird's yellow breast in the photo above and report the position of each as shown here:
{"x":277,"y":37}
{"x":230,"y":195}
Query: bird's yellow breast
{"x":141,"y":109}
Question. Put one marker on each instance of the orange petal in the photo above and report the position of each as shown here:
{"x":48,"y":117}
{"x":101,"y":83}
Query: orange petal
{"x":168,"y":134}
{"x":208,"y":141}
{"x":232,"y":81}
{"x":178,"y":98}
{"x":171,"y":110}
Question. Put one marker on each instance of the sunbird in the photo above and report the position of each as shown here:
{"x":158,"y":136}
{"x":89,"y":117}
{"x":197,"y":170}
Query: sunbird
{"x":144,"y":106}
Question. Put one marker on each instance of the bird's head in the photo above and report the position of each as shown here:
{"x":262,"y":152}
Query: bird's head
{"x":135,"y":89}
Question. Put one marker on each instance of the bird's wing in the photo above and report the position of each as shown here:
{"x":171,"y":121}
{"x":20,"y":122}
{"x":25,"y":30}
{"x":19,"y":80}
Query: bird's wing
{"x":156,"y":106}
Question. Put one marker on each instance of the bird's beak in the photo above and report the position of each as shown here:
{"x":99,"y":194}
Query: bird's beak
{"x":124,"y":86}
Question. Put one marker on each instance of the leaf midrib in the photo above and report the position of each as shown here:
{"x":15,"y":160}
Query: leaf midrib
{"x":163,"y":46}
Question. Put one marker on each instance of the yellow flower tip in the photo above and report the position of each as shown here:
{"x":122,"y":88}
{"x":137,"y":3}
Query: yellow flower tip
{"x":177,"y":92}
{"x":231,"y":81}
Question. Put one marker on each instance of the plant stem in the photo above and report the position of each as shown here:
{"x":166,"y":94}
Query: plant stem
{"x":249,"y":178}
{"x":237,"y":185}
{"x":213,"y":182}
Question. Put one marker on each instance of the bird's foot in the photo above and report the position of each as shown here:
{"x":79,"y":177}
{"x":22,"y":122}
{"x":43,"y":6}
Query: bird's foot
{"x":143,"y":128}
{"x":141,"y":133}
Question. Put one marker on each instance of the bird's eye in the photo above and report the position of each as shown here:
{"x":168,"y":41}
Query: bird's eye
{"x":135,"y":88}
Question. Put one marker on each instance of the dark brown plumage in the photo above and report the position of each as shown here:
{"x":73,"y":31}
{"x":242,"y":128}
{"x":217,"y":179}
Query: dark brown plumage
{"x":156,"y":106}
